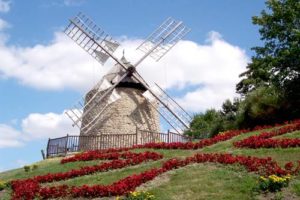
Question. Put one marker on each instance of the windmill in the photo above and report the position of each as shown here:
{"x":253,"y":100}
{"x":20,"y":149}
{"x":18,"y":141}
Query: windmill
{"x":122,"y":100}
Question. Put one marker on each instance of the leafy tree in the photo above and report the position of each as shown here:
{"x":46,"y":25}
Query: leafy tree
{"x":270,"y":87}
{"x":206,"y":124}
{"x":261,"y":106}
{"x":211,"y":122}
{"x":230,"y":108}
{"x":277,"y":62}
{"x":229,"y":113}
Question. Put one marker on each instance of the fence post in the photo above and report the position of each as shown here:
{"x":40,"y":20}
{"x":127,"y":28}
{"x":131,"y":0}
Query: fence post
{"x":168,"y":136}
{"x":101,"y":141}
{"x":43,"y":154}
{"x":66,"y":145}
{"x":136,"y":135}
{"x":47,"y":150}
{"x":79,"y":143}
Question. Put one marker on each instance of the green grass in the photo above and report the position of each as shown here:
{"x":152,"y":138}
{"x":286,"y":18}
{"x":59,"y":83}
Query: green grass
{"x":205,"y":181}
{"x":281,"y":155}
{"x":295,"y":134}
{"x":197,"y":181}
{"x":106,"y":178}
{"x":170,"y":153}
{"x":44,"y":167}
{"x":296,"y":186}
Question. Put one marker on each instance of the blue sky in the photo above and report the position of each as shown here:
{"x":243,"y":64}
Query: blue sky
{"x":42,"y":73}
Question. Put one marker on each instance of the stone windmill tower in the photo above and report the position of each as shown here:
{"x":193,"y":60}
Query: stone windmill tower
{"x":122,"y":102}
{"x":126,"y":107}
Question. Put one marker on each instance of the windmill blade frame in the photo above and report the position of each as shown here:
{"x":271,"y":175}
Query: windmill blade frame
{"x":114,"y":96}
{"x":79,"y":119}
{"x":84,"y":32}
{"x":101,"y":46}
{"x":172,"y":116}
{"x":163,"y":39}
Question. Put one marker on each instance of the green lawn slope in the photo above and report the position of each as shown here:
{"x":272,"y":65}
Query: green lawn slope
{"x":194,"y":182}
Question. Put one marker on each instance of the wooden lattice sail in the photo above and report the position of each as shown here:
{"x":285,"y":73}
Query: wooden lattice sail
{"x":122,"y":102}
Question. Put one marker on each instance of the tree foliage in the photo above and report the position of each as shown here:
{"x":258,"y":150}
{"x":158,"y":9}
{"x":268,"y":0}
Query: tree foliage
{"x":277,"y":62}
{"x":211,"y":122}
{"x":270,"y":87}
{"x":205,"y":124}
{"x":261,"y":106}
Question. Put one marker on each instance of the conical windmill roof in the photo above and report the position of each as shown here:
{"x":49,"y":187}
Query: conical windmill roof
{"x":116,"y":72}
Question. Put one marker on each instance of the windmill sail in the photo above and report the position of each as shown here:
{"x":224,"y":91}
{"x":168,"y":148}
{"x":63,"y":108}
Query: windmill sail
{"x":74,"y":114}
{"x":91,"y":38}
{"x":112,"y":46}
{"x":101,"y":46}
{"x":103,"y":57}
{"x":93,"y":117}
{"x":168,"y":108}
{"x":87,"y":103}
{"x":163,"y":38}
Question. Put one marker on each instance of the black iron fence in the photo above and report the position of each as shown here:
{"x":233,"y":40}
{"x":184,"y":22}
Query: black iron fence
{"x":150,"y":136}
{"x":74,"y":143}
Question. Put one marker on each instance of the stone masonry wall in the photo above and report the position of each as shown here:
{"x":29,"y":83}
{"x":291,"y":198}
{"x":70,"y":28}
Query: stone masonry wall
{"x":124,"y":116}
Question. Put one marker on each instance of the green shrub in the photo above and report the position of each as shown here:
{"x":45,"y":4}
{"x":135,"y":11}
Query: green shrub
{"x":34,"y":167}
{"x":206,"y":124}
{"x":3,"y":185}
{"x":261,"y":106}
{"x":26,"y":168}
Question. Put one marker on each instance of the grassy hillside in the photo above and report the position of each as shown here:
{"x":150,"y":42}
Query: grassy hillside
{"x":195,"y":181}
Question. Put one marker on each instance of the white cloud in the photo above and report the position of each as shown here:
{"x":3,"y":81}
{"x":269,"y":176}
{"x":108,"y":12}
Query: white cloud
{"x":61,"y":64}
{"x":3,"y":37}
{"x":9,"y":137}
{"x":49,"y":125}
{"x":63,"y":3}
{"x":4,"y":6}
{"x":73,"y":2}
{"x":3,"y":24}
{"x":36,"y":126}
{"x":189,"y":63}
{"x":206,"y":98}
{"x":212,"y":69}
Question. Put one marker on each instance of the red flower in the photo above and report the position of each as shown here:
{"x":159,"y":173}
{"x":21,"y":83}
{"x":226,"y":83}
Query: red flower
{"x":264,"y":140}
{"x":288,"y":166}
{"x":30,"y":188}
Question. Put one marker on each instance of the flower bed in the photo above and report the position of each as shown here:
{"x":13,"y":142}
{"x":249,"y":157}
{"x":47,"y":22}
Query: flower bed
{"x":27,"y":188}
{"x":197,"y":145}
{"x":109,"y":153}
{"x":99,"y":155}
{"x":265,"y":140}
{"x":209,"y":141}
{"x":112,"y":154}
{"x":30,"y":188}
